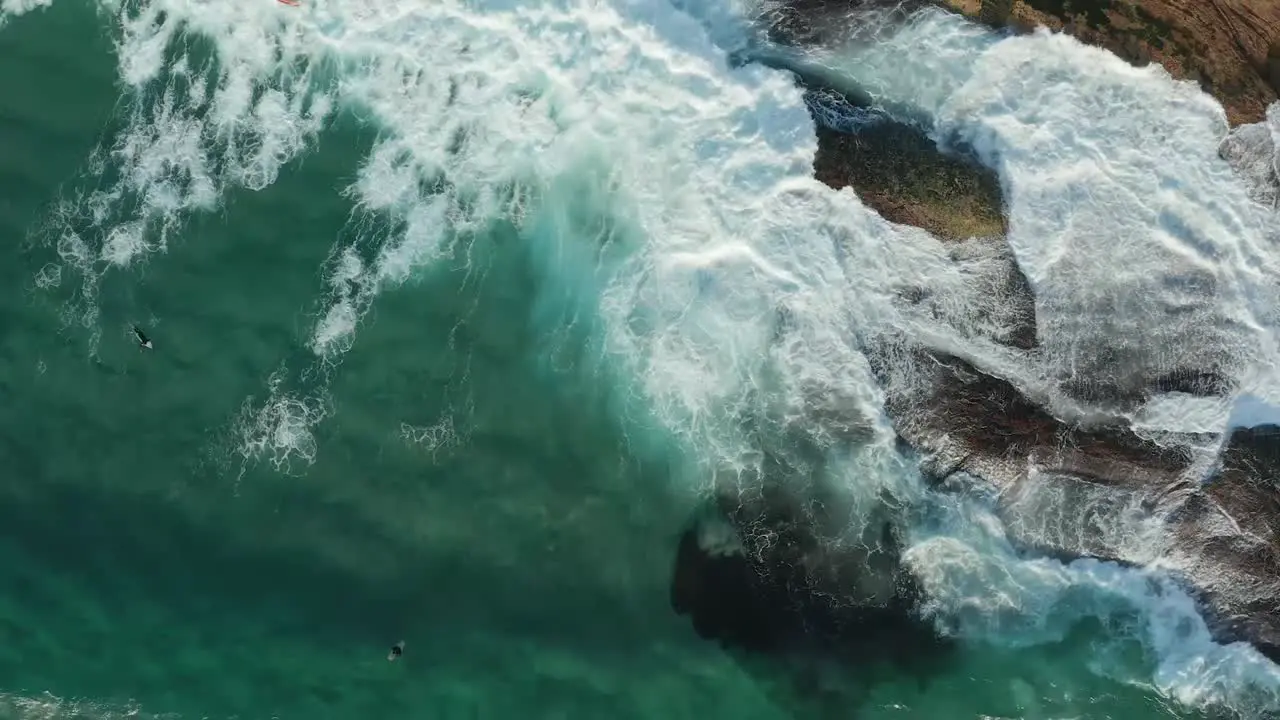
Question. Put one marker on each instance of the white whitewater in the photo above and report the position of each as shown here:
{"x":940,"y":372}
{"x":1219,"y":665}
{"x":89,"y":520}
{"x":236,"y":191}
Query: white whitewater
{"x":671,"y":195}
{"x":1138,"y":239}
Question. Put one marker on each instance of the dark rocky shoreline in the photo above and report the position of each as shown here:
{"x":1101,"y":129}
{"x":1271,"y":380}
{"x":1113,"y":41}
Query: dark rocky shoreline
{"x":1221,"y":534}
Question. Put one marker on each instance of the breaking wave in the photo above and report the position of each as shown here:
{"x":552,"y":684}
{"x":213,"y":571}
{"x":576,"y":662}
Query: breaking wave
{"x":728,"y":299}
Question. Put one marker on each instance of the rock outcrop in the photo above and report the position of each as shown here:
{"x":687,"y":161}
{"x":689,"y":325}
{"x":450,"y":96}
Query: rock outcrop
{"x":1229,"y":538}
{"x":1068,"y":490}
{"x":894,"y":167}
{"x":766,"y":573}
{"x":1106,"y":492}
{"x":900,"y":173}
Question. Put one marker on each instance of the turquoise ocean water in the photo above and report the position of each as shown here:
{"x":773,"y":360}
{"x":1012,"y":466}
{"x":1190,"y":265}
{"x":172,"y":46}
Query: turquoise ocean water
{"x":238,"y":526}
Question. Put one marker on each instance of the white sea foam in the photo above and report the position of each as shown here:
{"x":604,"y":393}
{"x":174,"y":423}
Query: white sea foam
{"x":1145,"y":251}
{"x":670,"y":194}
{"x":438,"y":438}
{"x":13,"y":8}
{"x":280,"y":429}
{"x":51,"y":707}
{"x":968,"y":567}
{"x":1254,"y":150}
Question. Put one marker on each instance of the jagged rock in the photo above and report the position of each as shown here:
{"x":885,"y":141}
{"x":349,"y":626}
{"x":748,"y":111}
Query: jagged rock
{"x":1069,"y":490}
{"x":1229,"y":536}
{"x":900,"y":173}
{"x":1106,"y":492}
{"x":768,"y":571}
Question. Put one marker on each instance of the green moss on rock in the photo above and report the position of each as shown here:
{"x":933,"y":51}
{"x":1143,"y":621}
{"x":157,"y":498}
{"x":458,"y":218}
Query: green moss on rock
{"x":899,"y":172}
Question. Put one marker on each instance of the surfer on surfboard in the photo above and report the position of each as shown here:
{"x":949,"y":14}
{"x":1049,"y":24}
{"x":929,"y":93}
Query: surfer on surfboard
{"x":144,"y":342}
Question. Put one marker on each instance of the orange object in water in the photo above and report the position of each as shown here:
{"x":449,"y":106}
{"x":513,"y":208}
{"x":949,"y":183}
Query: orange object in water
{"x":294,"y":3}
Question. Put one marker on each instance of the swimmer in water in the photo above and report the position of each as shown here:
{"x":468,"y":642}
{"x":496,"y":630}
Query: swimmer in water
{"x":144,"y":342}
{"x":396,"y":651}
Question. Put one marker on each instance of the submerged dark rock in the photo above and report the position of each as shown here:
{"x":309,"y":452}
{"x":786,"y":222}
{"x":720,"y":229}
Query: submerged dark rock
{"x":762,"y":574}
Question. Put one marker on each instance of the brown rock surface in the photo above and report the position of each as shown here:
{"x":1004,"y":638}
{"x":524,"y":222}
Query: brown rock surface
{"x":970,"y":419}
{"x":893,"y":167}
{"x":1236,"y":527}
{"x":1070,"y":490}
{"x":900,"y":173}
{"x":1076,"y":491}
{"x":1229,"y":46}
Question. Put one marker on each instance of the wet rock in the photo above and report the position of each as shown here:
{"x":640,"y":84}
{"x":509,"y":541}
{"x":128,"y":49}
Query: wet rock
{"x":900,"y":173}
{"x":771,"y":571}
{"x":898,"y":170}
{"x":1100,"y":384}
{"x":1103,"y":491}
{"x":1201,"y":383}
{"x":1229,"y":539}
{"x":1115,"y":342}
{"x":1002,"y":309}
{"x":949,"y":407}
{"x":1092,"y":488}
{"x":893,"y":166}
{"x":1273,"y":65}
{"x":995,"y":12}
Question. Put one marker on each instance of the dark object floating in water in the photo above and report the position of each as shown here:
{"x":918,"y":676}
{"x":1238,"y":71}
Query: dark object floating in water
{"x":144,"y":342}
{"x":396,"y":651}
